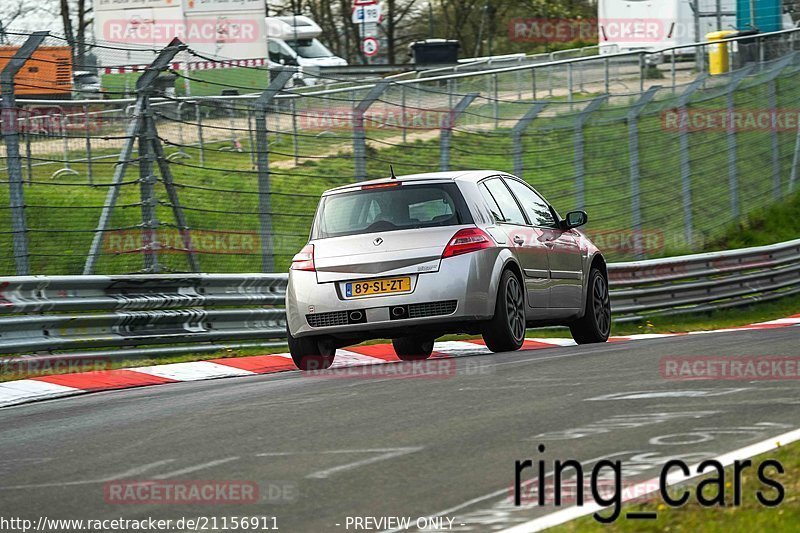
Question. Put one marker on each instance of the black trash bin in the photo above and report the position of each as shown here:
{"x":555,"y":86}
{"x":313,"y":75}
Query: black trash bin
{"x":746,"y":50}
{"x":435,"y":51}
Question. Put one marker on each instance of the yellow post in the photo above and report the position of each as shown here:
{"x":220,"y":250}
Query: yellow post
{"x":718,"y":52}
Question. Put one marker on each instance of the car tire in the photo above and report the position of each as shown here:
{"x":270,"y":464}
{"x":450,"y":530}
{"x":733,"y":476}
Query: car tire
{"x":412,"y":348}
{"x":505,"y":332}
{"x":595,"y":324}
{"x":311,"y":353}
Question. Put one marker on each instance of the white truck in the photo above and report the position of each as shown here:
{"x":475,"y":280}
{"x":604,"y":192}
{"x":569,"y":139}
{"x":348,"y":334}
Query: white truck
{"x":629,"y":25}
{"x":292,"y":40}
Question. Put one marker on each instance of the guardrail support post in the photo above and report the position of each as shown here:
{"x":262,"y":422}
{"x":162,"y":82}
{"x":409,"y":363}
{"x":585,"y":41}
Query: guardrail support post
{"x":169,"y":185}
{"x":446,"y":134}
{"x":633,"y":144}
{"x":733,"y":177}
{"x":147,"y":182}
{"x":686,"y":170}
{"x":516,"y":135}
{"x":580,"y":166}
{"x":11,"y":138}
{"x":144,"y":86}
{"x":795,"y":160}
{"x":359,"y":135}
{"x":262,"y":162}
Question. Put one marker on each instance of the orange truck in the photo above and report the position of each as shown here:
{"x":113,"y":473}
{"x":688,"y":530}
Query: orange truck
{"x":47,"y":74}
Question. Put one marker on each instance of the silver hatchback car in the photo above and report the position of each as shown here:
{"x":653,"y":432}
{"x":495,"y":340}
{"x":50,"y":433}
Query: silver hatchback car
{"x":415,"y":257}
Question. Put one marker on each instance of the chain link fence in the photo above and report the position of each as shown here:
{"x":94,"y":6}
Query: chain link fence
{"x":196,"y":163}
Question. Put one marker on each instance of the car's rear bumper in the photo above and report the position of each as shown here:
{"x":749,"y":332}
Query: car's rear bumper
{"x":461,"y":291}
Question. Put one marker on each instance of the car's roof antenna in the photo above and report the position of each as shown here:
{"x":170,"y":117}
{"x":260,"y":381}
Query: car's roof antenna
{"x":391,"y":172}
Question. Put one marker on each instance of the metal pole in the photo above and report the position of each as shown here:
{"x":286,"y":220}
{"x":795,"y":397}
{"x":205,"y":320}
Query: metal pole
{"x":295,"y":138}
{"x":174,"y":200}
{"x":262,"y":146}
{"x":686,"y":170}
{"x":147,"y":181}
{"x":580,"y":167}
{"x":633,"y":143}
{"x":199,"y":119}
{"x":733,"y":176}
{"x":773,"y":133}
{"x":403,"y":105}
{"x":11,"y":139}
{"x":359,"y":135}
{"x":795,"y":160}
{"x":144,"y":86}
{"x":447,"y":129}
{"x":569,"y":85}
{"x":88,"y":144}
{"x":516,"y":135}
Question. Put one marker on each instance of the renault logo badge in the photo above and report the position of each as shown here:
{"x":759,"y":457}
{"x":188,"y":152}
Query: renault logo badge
{"x":378,"y":241}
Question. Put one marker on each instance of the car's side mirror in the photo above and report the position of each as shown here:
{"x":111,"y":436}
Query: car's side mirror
{"x":575,"y":219}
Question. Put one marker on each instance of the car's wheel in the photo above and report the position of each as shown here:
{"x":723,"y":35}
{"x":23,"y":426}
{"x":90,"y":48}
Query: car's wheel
{"x":506,"y":330}
{"x":595,"y":325}
{"x":311,"y":353}
{"x":412,"y":348}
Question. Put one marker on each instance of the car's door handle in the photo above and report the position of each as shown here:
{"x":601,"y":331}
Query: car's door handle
{"x":519,"y":240}
{"x":549,"y":244}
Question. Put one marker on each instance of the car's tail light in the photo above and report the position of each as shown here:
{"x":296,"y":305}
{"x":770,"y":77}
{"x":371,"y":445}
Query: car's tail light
{"x":304,"y":260}
{"x":467,"y":240}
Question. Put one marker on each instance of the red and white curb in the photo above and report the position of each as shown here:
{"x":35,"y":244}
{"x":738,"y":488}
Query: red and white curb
{"x":60,"y":385}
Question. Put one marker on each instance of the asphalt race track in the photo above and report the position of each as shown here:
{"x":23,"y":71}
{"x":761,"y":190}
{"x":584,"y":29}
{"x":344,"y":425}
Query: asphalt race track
{"x":323,"y":449}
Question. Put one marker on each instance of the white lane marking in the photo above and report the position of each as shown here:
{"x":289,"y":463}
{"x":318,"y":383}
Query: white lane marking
{"x":645,"y":336}
{"x":193,"y":371}
{"x":787,"y":320}
{"x":456,"y":348}
{"x":345,"y":358}
{"x":195,"y":468}
{"x":556,"y":341}
{"x":25,"y":390}
{"x":647,"y":487}
{"x":130,"y":472}
{"x":384,"y":454}
{"x":646,"y":395}
{"x":505,"y":491}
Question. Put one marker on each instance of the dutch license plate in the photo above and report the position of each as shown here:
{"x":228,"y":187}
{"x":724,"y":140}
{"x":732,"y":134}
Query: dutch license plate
{"x":357,"y":289}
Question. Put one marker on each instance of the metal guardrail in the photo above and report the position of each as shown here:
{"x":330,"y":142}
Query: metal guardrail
{"x":704,"y":282}
{"x":208,"y":312}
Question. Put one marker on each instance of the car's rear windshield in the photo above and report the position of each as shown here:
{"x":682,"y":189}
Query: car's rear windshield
{"x":390,"y":208}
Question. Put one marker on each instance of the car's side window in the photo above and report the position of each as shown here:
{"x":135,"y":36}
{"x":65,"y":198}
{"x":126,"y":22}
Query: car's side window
{"x":535,"y":207}
{"x":500,"y":196}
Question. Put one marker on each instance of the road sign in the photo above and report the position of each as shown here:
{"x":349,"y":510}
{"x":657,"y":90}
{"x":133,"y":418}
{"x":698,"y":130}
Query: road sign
{"x":366,"y":13}
{"x":364,"y":2}
{"x":370,"y":46}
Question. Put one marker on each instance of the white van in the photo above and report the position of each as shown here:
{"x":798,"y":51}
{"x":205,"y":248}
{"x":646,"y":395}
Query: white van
{"x":630,"y":25}
{"x":292,"y":40}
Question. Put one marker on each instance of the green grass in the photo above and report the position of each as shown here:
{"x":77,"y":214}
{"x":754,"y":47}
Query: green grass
{"x":692,"y":517}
